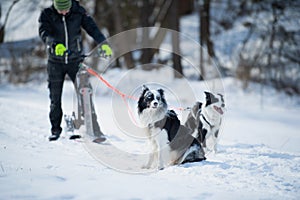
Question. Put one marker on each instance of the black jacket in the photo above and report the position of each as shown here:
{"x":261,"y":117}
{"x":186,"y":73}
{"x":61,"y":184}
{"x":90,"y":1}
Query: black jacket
{"x":52,"y":30}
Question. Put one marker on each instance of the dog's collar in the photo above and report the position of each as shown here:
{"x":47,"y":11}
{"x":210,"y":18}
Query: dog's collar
{"x":206,"y":121}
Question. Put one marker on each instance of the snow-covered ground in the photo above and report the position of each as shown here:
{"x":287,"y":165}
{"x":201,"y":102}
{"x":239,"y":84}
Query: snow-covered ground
{"x":258,"y":158}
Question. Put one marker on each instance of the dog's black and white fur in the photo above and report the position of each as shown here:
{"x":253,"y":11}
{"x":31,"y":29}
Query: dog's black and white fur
{"x":205,"y":120}
{"x":171,"y":142}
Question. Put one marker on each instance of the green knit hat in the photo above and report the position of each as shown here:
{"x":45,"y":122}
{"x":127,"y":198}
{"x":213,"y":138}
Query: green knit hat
{"x":62,"y":4}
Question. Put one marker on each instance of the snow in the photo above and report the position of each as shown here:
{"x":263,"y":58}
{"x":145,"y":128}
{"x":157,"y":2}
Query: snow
{"x":258,"y":157}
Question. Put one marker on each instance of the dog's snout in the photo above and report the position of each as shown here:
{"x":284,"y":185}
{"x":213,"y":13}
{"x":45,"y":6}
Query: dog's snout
{"x":155,"y":104}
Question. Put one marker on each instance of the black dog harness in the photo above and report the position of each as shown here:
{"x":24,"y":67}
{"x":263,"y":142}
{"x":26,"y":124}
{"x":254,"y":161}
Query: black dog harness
{"x":171,"y":123}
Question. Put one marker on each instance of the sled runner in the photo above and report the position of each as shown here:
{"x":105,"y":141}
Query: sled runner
{"x":84,"y":114}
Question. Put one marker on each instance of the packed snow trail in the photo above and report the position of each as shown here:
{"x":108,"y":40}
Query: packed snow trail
{"x":249,"y":165}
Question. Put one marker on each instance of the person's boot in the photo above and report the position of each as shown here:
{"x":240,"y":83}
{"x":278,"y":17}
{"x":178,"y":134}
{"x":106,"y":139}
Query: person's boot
{"x":55,"y":135}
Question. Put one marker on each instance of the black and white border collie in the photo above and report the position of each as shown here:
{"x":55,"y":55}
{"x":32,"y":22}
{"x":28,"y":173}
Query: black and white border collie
{"x":171,"y":142}
{"x":205,"y":120}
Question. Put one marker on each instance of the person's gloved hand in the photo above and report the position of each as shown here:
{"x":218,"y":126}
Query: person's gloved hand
{"x":105,"y":50}
{"x":60,"y":49}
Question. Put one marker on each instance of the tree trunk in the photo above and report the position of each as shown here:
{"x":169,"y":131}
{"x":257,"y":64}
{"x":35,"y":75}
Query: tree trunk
{"x":119,"y":28}
{"x":206,"y":41}
{"x":145,"y":15}
{"x":2,"y":28}
{"x":174,"y":25}
{"x":203,"y":35}
{"x":268,"y":73}
{"x":161,"y":19}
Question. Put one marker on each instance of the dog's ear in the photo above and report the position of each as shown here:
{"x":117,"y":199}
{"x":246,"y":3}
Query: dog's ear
{"x":210,"y":98}
{"x":208,"y":95}
{"x":141,"y":103}
{"x":222,"y":97}
{"x":161,"y":92}
{"x":145,"y":89}
{"x":207,"y":98}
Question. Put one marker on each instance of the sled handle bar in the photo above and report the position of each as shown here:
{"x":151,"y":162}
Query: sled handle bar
{"x":99,"y":54}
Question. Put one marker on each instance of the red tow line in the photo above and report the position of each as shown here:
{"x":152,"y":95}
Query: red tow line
{"x":94,"y":73}
{"x":124,"y":96}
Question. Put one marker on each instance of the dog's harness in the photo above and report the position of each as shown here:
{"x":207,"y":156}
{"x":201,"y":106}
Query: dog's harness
{"x":199,"y":111}
{"x":211,"y":126}
{"x":170,"y":122}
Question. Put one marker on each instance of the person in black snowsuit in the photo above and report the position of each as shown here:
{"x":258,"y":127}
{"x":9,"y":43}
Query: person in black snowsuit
{"x":60,"y":29}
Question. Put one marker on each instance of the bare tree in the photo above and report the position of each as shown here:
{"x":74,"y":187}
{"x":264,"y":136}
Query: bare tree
{"x":2,"y":28}
{"x":155,"y":19}
{"x":202,"y":31}
{"x":167,"y":17}
{"x":138,"y":13}
{"x":276,"y":53}
{"x":174,"y":25}
{"x":146,"y":12}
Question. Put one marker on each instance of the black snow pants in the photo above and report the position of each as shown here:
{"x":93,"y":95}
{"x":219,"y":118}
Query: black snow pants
{"x":56,"y":77}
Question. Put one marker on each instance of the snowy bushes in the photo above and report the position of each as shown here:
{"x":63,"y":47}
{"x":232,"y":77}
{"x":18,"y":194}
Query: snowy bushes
{"x":271,"y":50}
{"x":22,"y":61}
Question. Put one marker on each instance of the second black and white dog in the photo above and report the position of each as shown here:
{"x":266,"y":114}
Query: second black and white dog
{"x":171,"y":142}
{"x":205,"y":120}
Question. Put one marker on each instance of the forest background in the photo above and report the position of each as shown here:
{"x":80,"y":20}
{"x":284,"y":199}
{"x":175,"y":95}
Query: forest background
{"x":251,"y":40}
